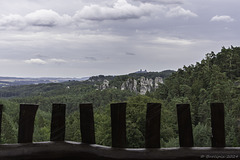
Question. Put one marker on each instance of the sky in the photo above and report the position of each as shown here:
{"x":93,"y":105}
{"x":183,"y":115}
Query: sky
{"x":76,"y":38}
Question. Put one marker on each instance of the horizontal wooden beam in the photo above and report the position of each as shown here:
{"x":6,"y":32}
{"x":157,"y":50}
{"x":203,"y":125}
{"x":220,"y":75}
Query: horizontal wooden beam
{"x":74,"y":151}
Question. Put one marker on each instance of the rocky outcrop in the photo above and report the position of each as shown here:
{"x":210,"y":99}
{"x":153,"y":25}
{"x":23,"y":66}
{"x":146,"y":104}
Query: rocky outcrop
{"x":104,"y":85}
{"x":130,"y":84}
{"x":157,"y":81}
{"x":146,"y":85}
{"x":140,"y":86}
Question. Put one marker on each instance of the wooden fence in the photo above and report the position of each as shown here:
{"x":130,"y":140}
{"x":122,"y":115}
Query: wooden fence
{"x":58,"y":148}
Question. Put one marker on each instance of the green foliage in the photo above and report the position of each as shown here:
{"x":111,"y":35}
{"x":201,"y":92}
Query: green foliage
{"x":201,"y":135}
{"x":42,"y":126}
{"x":9,"y":122}
{"x":135,"y":122}
{"x":173,"y":142}
{"x":161,"y":92}
{"x":136,"y":119}
{"x":103,"y":126}
{"x":215,"y":79}
{"x":152,"y":75}
{"x":73,"y":127}
{"x":9,"y":133}
{"x":231,"y":129}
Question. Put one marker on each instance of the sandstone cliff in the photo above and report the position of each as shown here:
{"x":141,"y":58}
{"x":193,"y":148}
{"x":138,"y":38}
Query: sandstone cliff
{"x":141,"y":85}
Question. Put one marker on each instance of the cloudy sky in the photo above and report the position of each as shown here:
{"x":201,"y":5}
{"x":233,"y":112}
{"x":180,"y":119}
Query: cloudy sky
{"x":76,"y":38}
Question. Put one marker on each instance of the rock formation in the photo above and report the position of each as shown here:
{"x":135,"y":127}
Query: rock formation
{"x":130,"y":84}
{"x":141,"y":85}
{"x":157,"y":81}
{"x":104,"y":85}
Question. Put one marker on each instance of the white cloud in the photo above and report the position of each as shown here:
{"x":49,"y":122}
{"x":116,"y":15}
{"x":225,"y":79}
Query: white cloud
{"x":35,"y":61}
{"x":11,"y":20}
{"x":55,"y":60}
{"x":42,"y":18}
{"x":161,"y":1}
{"x":223,"y":18}
{"x":45,"y":61}
{"x":120,"y":10}
{"x":173,"y":41}
{"x":179,"y":12}
{"x":48,"y":18}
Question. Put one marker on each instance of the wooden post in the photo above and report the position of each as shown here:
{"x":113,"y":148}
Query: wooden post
{"x":1,"y":108}
{"x":87,"y":123}
{"x":26,"y":122}
{"x":217,"y":122}
{"x":58,"y":122}
{"x":184,"y":125}
{"x":118,"y":123}
{"x":153,"y":117}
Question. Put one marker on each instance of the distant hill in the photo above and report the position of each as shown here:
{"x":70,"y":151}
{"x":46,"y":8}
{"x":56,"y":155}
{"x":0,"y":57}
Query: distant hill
{"x":22,"y":87}
{"x":164,"y":74}
{"x":139,"y":82}
{"x":16,"y":81}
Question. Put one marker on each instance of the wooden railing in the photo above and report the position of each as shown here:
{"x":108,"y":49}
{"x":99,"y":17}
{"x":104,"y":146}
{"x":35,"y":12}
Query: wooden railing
{"x":58,"y":148}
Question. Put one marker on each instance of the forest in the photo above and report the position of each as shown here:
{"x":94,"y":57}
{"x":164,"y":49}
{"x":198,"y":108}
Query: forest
{"x":215,"y":79}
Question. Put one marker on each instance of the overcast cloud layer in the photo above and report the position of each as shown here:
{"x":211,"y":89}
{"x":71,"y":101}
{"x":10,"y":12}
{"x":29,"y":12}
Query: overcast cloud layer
{"x":74,"y":38}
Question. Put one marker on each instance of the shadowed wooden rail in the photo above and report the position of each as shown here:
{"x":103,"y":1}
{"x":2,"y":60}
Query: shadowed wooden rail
{"x":58,"y":148}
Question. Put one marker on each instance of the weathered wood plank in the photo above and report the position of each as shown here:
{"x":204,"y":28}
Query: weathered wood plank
{"x":218,"y":125}
{"x":77,"y":151}
{"x":26,"y":122}
{"x":58,"y":122}
{"x":87,"y":123}
{"x":118,"y":123}
{"x":153,"y":117}
{"x":184,"y":125}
